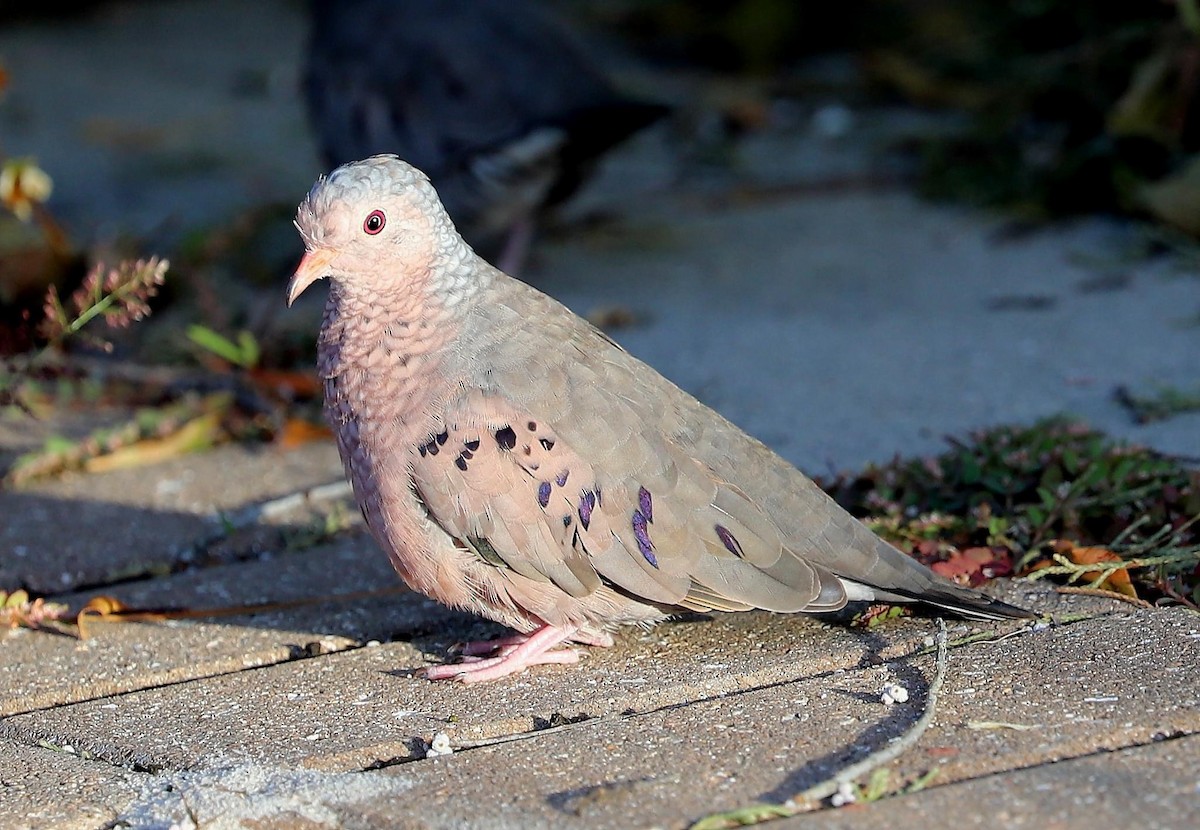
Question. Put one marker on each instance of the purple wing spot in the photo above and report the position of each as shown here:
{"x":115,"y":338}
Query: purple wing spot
{"x":544,"y":493}
{"x":645,"y":546}
{"x":645,"y":504}
{"x":587,"y":503}
{"x":567,"y":520}
{"x":561,"y":480}
{"x":730,"y":541}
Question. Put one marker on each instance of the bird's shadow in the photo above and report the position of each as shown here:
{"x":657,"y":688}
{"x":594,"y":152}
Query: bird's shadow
{"x":870,"y":738}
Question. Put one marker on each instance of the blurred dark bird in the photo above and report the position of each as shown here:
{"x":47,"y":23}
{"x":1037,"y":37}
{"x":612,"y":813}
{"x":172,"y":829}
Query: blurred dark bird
{"x":494,"y":99}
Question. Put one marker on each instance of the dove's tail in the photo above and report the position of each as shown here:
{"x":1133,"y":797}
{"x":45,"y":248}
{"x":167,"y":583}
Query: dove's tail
{"x":963,"y":602}
{"x":896,"y":577}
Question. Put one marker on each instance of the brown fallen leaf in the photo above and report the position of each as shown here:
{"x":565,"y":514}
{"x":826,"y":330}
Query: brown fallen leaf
{"x":974,"y":566}
{"x":297,"y":431}
{"x":1117,"y":581}
{"x":285,"y":384}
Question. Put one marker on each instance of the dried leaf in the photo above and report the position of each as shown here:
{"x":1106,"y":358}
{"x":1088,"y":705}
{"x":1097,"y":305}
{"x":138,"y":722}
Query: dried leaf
{"x":1117,"y":581}
{"x":297,"y":431}
{"x":289,"y":385}
{"x":22,"y":185}
{"x":974,"y":566}
{"x":103,"y":606}
{"x":195,"y":435}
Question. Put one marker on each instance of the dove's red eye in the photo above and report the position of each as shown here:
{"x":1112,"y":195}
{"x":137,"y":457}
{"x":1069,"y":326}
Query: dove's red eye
{"x":374,"y":222}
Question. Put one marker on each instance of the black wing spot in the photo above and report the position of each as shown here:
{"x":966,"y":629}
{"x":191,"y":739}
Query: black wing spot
{"x":442,"y":437}
{"x":461,"y":463}
{"x":532,"y":426}
{"x":546,"y":443}
{"x":506,"y":438}
{"x":472,"y":445}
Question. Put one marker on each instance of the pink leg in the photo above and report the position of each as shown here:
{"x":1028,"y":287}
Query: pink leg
{"x":501,"y":646}
{"x":515,"y":654}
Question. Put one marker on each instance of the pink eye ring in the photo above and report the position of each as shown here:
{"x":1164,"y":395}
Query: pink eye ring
{"x":374,"y":222}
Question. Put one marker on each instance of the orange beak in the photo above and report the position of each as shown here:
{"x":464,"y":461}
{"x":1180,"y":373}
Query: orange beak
{"x":312,"y":267}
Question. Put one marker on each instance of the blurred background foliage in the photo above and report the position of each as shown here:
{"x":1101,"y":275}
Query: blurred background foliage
{"x":1067,"y":106}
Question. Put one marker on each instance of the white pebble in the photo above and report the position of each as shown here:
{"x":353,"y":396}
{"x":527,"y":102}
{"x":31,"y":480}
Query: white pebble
{"x":844,"y":795}
{"x":893,"y":693}
{"x":440,"y":745}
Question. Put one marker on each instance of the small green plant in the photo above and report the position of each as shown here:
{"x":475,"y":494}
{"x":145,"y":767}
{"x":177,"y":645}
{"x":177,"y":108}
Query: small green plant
{"x":1000,"y":500}
{"x":117,"y":296}
{"x":243,"y":352}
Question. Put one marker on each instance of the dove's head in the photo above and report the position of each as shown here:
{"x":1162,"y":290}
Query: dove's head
{"x":376,"y":226}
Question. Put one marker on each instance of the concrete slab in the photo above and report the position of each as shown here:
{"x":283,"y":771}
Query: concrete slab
{"x":268,"y":714}
{"x":356,"y":708}
{"x":1152,"y":787}
{"x":81,"y":530}
{"x":368,"y":602}
{"x":43,"y":788}
{"x":665,"y":764}
{"x":675,"y":764}
{"x":845,"y":328}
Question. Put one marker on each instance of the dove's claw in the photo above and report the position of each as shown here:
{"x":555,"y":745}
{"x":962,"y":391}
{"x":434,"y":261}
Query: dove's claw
{"x":509,"y":655}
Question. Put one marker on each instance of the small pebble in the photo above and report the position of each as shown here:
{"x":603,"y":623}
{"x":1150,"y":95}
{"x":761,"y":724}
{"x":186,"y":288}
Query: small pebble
{"x":893,"y":693}
{"x":844,"y":795}
{"x":440,"y":745}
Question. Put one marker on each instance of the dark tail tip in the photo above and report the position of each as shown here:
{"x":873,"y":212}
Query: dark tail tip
{"x":974,"y":605}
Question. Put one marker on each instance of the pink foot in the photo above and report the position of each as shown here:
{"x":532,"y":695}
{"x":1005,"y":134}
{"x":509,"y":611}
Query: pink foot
{"x":510,"y":655}
{"x":502,"y":646}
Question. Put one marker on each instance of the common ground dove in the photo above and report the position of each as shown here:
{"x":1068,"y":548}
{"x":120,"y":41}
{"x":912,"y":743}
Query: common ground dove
{"x":493,"y":99}
{"x":515,"y":462}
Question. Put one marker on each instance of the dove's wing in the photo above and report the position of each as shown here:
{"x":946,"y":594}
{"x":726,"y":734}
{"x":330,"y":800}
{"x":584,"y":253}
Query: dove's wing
{"x":642,"y":517}
{"x":556,"y":468}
